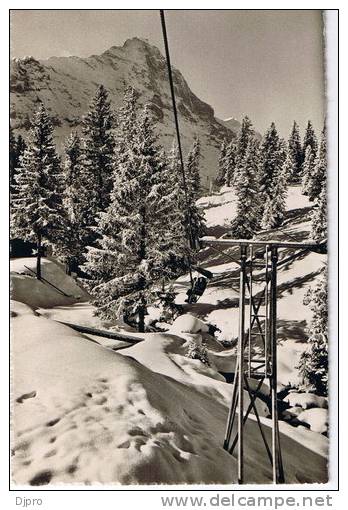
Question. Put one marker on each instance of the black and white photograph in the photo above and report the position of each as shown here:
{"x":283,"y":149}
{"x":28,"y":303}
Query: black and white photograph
{"x":169,"y":248}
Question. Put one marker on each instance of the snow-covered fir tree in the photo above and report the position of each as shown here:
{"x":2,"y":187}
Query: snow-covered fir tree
{"x":245,"y":134}
{"x":270,"y":160}
{"x":99,"y":145}
{"x":308,"y":169}
{"x":193,"y":179}
{"x":80,"y":201}
{"x":127,"y":126}
{"x":247,"y":220}
{"x":196,"y":221}
{"x":319,"y":216}
{"x":135,"y":247}
{"x":317,"y":176}
{"x":230,"y":163}
{"x":233,"y":153}
{"x":220,"y":177}
{"x":176,"y":217}
{"x":17,"y":148}
{"x":21,"y":146}
{"x":288,"y":168}
{"x":272,"y":180}
{"x":309,"y":148}
{"x":274,"y":207}
{"x":13,"y":158}
{"x":314,"y":360}
{"x":294,"y":160}
{"x":310,"y":139}
{"x":37,"y":210}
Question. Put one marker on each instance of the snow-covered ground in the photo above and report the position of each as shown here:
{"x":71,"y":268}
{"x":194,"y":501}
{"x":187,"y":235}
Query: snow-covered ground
{"x":27,"y":289}
{"x":83,"y":413}
{"x":219,"y":303}
{"x":220,"y":208}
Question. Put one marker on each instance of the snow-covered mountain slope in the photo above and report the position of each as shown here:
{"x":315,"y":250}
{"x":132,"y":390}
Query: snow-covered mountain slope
{"x":219,"y":303}
{"x":66,"y":85}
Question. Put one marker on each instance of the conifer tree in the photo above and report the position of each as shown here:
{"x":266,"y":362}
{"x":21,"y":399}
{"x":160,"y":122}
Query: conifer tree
{"x":80,"y":200}
{"x":135,"y":247}
{"x":17,"y":148}
{"x":317,"y":175}
{"x":13,"y":156}
{"x":294,"y":161}
{"x":193,"y":189}
{"x":310,"y":139}
{"x":288,"y":168}
{"x":313,"y":364}
{"x":230,"y":163}
{"x":180,"y":204}
{"x":245,"y":134}
{"x":21,"y":146}
{"x":319,"y":216}
{"x":220,"y":177}
{"x":275,"y":204}
{"x":99,"y":145}
{"x":37,"y":211}
{"x":309,"y":148}
{"x":173,"y":228}
{"x":308,"y":170}
{"x":127,"y":117}
{"x":247,"y":220}
{"x":269,"y":162}
{"x":192,"y":169}
{"x":272,"y":180}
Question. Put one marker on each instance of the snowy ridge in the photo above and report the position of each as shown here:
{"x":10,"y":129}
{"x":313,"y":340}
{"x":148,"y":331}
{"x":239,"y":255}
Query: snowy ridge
{"x":67,"y":84}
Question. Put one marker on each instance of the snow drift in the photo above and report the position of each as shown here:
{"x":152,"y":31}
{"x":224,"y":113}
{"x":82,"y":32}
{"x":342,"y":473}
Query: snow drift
{"x":27,"y":289}
{"x":85,"y":414}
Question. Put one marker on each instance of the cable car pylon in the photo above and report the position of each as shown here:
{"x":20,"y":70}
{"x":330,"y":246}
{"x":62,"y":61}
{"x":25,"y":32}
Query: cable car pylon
{"x":257,"y":345}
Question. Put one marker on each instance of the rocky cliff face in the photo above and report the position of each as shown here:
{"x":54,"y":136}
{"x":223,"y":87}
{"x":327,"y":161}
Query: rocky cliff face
{"x":66,"y":85}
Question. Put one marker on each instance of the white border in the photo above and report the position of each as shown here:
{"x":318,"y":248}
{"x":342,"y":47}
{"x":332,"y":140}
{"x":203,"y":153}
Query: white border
{"x":128,"y":499}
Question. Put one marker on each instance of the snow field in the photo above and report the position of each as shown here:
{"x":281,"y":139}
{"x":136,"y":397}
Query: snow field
{"x":95,"y":416}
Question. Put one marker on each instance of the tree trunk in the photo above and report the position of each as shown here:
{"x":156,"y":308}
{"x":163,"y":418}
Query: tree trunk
{"x":68,"y":266}
{"x":141,"y":322}
{"x":38,"y":257}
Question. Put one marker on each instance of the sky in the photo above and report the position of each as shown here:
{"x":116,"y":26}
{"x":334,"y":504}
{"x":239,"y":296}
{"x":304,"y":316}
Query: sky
{"x":264,"y":63}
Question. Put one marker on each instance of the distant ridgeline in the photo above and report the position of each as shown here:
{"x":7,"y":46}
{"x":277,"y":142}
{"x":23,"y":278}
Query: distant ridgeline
{"x":66,"y":84}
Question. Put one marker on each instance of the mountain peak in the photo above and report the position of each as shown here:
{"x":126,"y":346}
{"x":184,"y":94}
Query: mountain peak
{"x":134,"y":45}
{"x":136,"y":41}
{"x":66,"y":84}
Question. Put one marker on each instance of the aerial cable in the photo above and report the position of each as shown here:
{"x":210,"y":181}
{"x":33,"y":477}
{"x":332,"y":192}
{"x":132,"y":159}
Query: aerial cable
{"x":184,"y":182}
